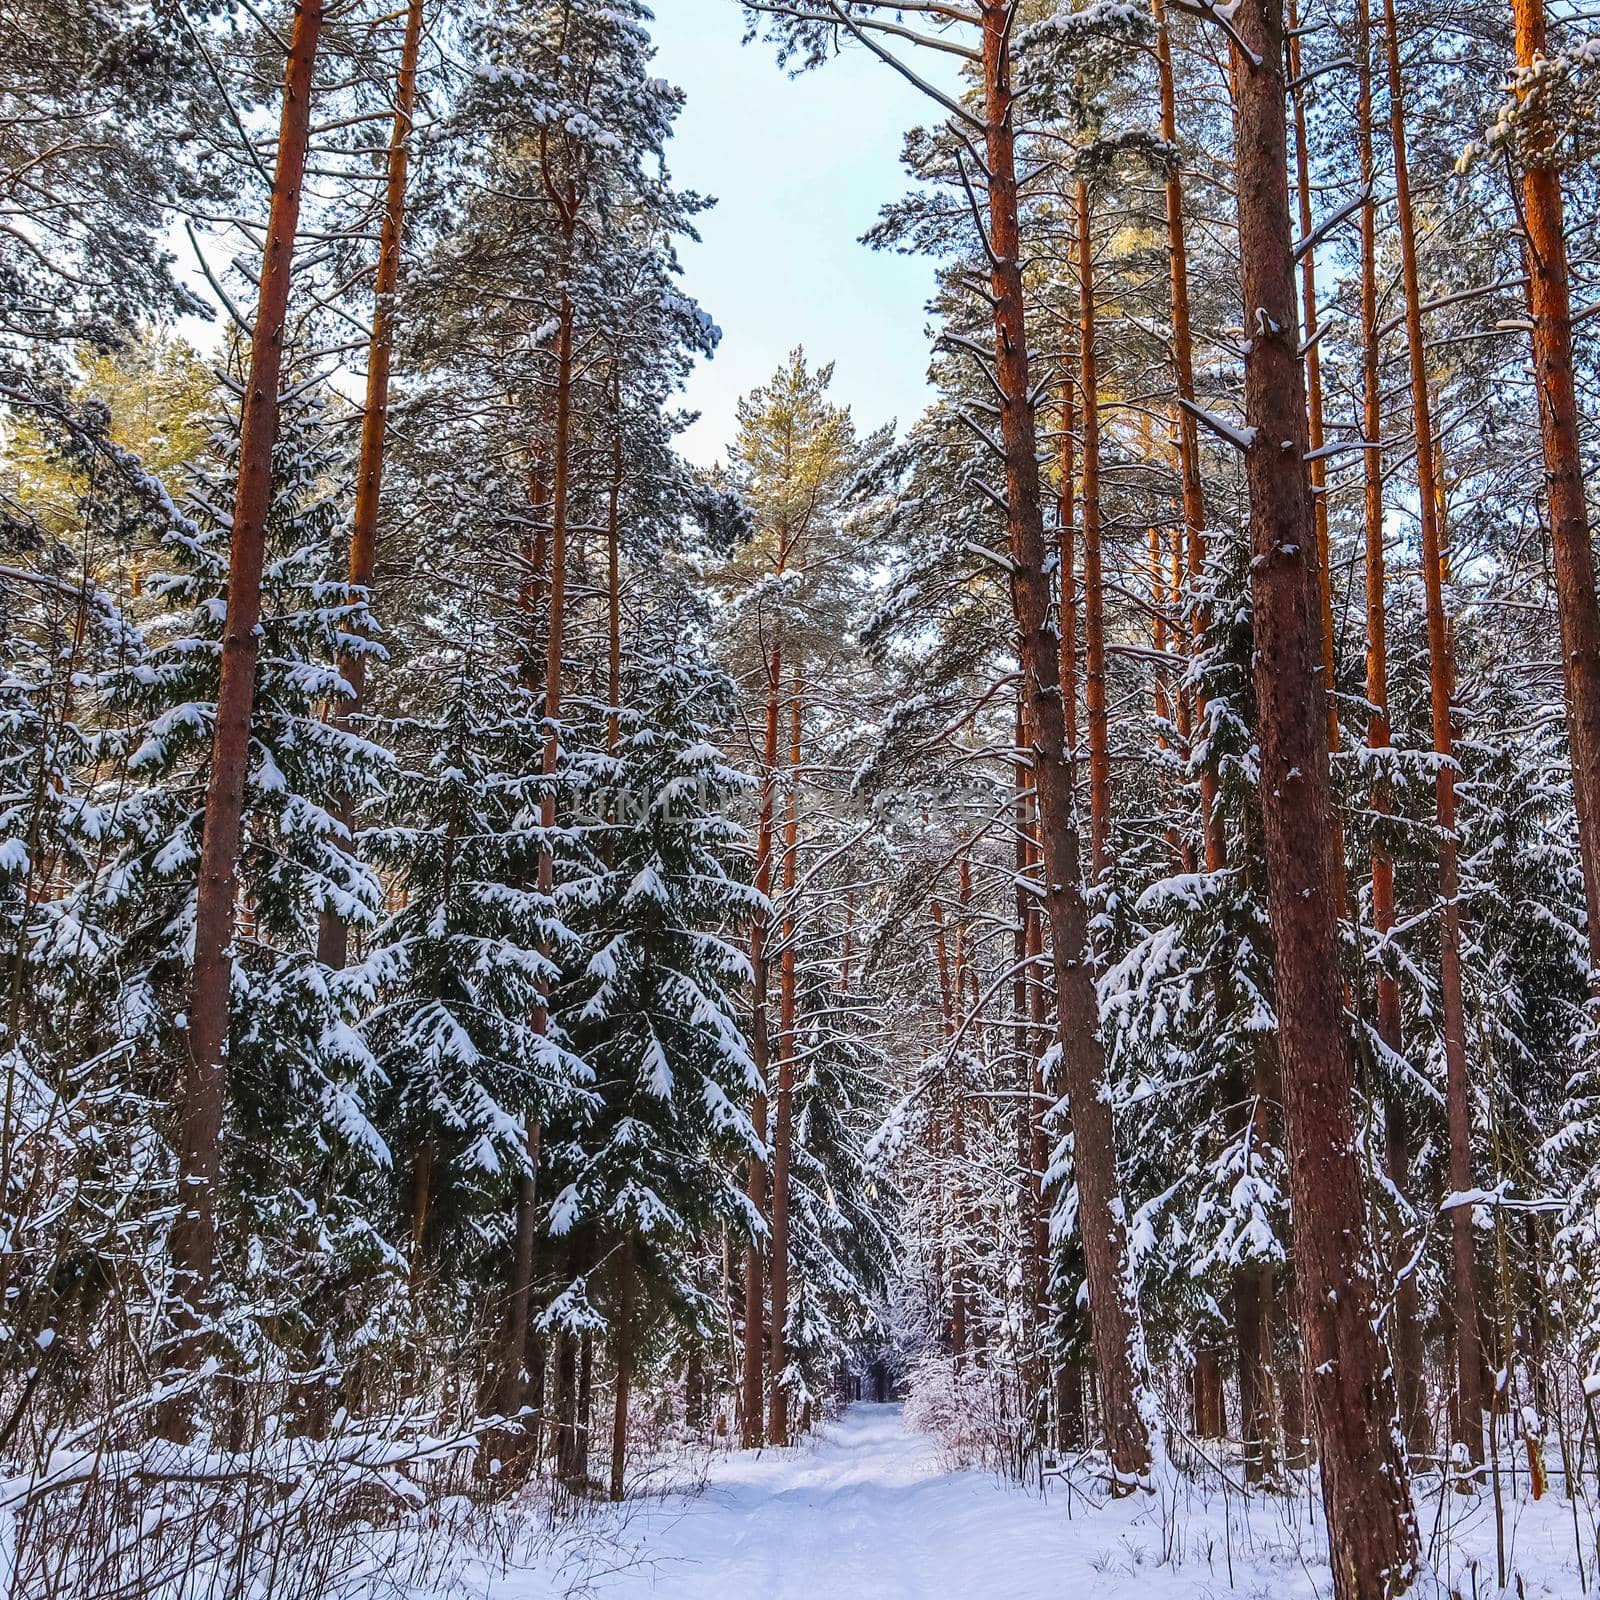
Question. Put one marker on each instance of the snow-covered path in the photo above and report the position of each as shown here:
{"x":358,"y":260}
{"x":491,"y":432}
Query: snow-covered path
{"x":868,"y":1512}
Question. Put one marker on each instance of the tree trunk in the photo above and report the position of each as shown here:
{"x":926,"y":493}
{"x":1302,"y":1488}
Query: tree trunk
{"x":783,"y":1119}
{"x":955,"y":1078}
{"x":1372,"y":1531}
{"x":1252,"y":1318}
{"x":1117,"y":1334}
{"x":695,"y":1390}
{"x":614,"y":569}
{"x":512,"y":1376}
{"x":1067,"y":560}
{"x":1181,"y":702}
{"x":580,"y":1474}
{"x":1094,"y":592}
{"x":1164,"y":683}
{"x":1028,"y":1015}
{"x":1210,"y":1403}
{"x":520,"y":1297}
{"x":1441,"y":675}
{"x":421,"y":1200}
{"x":1550,"y":298}
{"x":333,"y":934}
{"x":624,"y":1355}
{"x":193,"y":1241}
{"x":753,"y":1429}
{"x":1407,"y":1311}
{"x":1184,"y":422}
{"x":566,"y":1409}
{"x":1313,"y":365}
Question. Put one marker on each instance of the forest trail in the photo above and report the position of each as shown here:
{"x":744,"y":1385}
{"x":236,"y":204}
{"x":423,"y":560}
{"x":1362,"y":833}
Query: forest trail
{"x":869,"y":1512}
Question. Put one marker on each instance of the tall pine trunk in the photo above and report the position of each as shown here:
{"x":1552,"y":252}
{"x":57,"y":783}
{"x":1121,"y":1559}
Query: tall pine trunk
{"x":1372,"y":1532}
{"x":1408,"y":1343}
{"x":783,"y":1102}
{"x":1094,"y":591}
{"x":753,"y":1430}
{"x":333,"y":934}
{"x":1067,"y":558}
{"x":1441,"y":677}
{"x":519,"y":1300}
{"x":1210,"y":1407}
{"x":1117,"y":1336}
{"x":1550,"y":298}
{"x":193,"y":1242}
{"x":1310,"y":335}
{"x":1184,"y":423}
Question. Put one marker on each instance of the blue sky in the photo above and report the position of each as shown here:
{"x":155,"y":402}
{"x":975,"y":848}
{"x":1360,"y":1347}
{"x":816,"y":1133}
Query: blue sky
{"x":800,"y":168}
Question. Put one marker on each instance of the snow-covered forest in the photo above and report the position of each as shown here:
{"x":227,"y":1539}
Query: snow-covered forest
{"x":537,"y":978}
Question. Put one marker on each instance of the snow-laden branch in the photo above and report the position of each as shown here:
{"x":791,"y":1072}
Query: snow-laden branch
{"x":1240,"y":437}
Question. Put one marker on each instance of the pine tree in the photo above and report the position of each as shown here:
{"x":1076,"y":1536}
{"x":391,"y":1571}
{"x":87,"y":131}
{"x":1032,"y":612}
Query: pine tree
{"x":652,"y":1009}
{"x":297,"y":1127}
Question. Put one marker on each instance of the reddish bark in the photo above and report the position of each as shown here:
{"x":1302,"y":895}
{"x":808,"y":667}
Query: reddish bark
{"x":1181,"y":701}
{"x":1210,"y":1402}
{"x":1067,"y":560}
{"x":193,"y":1243}
{"x":1117,"y":1336}
{"x":1550,"y":299}
{"x":333,"y":936}
{"x":1163,"y":687}
{"x":1313,"y":361}
{"x":1408,"y":1343}
{"x":1372,"y":1532}
{"x":1094,"y":593}
{"x":1185,"y":424}
{"x":1441,"y":677}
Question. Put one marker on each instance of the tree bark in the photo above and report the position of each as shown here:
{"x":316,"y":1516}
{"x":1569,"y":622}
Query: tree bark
{"x":1252,"y":1319}
{"x":624,"y":1356}
{"x":580,"y":1464}
{"x":1067,"y":560}
{"x":1181,"y":702}
{"x":1094,"y":592}
{"x":614,"y":568}
{"x":1313,"y":364}
{"x":753,"y":1429}
{"x":333,"y":934}
{"x":519,"y":1299}
{"x":783,"y":1105}
{"x":1210,"y":1405}
{"x":1441,"y":676}
{"x":1550,"y":298}
{"x":1372,"y":1531}
{"x":514,"y":1336}
{"x":955,"y":1078}
{"x":1184,"y":422}
{"x":193,"y":1241}
{"x":1117,"y":1334}
{"x":1408,"y":1345}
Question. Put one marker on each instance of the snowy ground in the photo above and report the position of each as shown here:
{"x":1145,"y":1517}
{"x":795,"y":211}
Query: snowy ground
{"x":869,"y":1512}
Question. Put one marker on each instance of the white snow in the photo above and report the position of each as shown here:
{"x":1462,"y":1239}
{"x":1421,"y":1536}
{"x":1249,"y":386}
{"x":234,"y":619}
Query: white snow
{"x":866,"y":1510}
{"x":870,"y":1511}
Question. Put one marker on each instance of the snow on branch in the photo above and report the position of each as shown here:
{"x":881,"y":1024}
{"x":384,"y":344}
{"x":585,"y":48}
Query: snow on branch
{"x":1240,"y":437}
